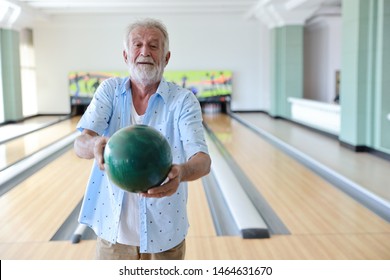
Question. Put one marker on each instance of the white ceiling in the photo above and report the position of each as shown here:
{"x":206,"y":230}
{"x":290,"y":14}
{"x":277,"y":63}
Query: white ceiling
{"x":19,"y":13}
{"x":54,"y":7}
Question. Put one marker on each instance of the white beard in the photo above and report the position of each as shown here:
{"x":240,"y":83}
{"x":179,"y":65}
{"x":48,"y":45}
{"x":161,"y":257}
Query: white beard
{"x":146,"y":74}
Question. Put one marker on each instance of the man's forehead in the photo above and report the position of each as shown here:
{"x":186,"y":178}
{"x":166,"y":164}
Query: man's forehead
{"x":148,"y":32}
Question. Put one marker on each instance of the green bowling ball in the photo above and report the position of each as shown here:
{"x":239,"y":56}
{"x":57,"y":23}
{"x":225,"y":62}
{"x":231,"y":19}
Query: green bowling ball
{"x":137,"y":158}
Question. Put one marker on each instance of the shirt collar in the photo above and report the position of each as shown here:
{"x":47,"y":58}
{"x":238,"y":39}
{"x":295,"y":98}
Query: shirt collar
{"x":125,"y":85}
{"x":162,"y":90}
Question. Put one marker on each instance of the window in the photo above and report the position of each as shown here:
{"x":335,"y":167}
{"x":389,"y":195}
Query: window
{"x":28,"y":73}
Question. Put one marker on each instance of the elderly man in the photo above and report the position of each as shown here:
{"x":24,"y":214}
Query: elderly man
{"x":154,"y":224}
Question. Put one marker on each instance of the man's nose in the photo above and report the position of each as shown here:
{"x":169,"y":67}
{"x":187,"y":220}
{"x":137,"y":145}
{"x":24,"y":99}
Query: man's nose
{"x":145,"y":50}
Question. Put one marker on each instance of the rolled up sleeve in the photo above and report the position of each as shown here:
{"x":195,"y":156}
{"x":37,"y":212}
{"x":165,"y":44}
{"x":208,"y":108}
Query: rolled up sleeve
{"x":191,"y":127}
{"x":99,"y":111}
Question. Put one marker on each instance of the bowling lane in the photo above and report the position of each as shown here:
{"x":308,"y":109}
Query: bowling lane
{"x":14,"y":130}
{"x":199,"y":216}
{"x":58,"y":250}
{"x":367,"y":170}
{"x":33,"y":211}
{"x":36,"y":245}
{"x":305,"y":202}
{"x":282,"y":247}
{"x":36,"y":208}
{"x":21,"y":147}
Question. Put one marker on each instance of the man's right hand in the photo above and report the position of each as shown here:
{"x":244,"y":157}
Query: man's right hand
{"x":98,"y":150}
{"x":90,"y":145}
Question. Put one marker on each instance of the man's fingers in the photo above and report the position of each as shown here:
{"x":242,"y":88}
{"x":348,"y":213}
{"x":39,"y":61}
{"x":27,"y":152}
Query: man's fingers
{"x":161,"y":191}
{"x":100,"y":144}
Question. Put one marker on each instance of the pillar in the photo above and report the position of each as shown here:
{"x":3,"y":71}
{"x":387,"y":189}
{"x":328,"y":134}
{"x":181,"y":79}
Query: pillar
{"x":287,"y":68}
{"x":365,"y":74}
{"x":10,"y":75}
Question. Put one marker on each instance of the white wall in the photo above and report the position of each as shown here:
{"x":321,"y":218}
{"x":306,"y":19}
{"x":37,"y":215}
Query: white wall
{"x":70,"y":43}
{"x":322,"y":57}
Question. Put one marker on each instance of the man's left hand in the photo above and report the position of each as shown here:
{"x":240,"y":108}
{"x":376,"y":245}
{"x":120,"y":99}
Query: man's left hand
{"x":168,"y":188}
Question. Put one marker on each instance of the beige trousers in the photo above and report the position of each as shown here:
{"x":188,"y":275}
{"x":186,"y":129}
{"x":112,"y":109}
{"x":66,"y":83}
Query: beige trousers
{"x":109,"y":251}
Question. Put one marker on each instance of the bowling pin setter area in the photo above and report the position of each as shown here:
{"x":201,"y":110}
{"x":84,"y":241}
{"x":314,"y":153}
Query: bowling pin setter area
{"x":267,"y":197}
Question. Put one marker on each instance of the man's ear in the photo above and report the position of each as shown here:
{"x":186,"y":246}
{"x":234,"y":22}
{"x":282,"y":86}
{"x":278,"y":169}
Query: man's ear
{"x":125,"y":55}
{"x":167,"y":57}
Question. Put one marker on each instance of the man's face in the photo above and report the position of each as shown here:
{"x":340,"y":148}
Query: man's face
{"x":145,"y":57}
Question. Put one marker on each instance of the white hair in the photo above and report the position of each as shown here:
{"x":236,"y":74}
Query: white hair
{"x":148,"y":23}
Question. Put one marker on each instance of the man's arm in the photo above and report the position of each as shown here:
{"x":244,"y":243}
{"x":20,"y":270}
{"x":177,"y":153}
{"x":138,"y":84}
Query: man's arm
{"x":90,"y":145}
{"x":196,"y":167}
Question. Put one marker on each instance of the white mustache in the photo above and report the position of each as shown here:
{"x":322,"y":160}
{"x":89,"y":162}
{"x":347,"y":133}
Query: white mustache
{"x":145,"y":60}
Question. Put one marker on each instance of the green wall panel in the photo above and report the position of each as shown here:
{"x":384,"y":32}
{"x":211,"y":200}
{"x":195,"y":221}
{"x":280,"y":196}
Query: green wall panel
{"x":287,"y":68}
{"x":11,"y":79}
{"x":365,"y":72}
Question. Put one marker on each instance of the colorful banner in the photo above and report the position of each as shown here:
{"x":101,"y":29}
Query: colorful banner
{"x":203,"y":84}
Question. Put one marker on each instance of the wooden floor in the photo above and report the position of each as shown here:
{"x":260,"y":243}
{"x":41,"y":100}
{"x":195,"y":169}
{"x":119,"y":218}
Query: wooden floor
{"x":365,"y":169}
{"x":20,"y":147}
{"x":9,"y":131}
{"x":324,"y":222}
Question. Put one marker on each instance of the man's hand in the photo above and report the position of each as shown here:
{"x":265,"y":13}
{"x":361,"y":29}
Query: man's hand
{"x":90,"y":145}
{"x":98,"y":151}
{"x":196,"y":167}
{"x":168,"y":188}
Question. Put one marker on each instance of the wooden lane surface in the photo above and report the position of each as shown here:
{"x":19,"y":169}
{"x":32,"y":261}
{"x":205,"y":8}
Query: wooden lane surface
{"x":306,"y":203}
{"x":203,"y":244}
{"x":55,"y":250}
{"x":367,"y":170}
{"x":281,"y":247}
{"x":36,"y":244}
{"x":291,"y":247}
{"x":14,"y":130}
{"x":35,"y":209}
{"x":32,"y":212}
{"x":199,"y":215}
{"x":320,"y":237}
{"x":18,"y":148}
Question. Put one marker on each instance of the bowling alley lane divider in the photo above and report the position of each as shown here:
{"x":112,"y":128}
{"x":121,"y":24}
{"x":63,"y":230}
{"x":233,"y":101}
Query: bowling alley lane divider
{"x":223,"y":221}
{"x":21,"y":170}
{"x":247,"y":219}
{"x":272,"y":220}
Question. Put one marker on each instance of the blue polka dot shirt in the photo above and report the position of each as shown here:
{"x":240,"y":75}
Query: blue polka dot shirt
{"x":176,"y":113}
